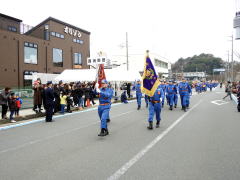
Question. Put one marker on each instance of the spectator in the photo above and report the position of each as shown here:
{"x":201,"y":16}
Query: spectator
{"x":37,"y":98}
{"x":63,"y":101}
{"x":18,"y":105}
{"x":12,"y":106}
{"x":124,"y":97}
{"x":4,"y":101}
{"x":69,"y":102}
{"x":228,"y":90}
{"x":129,"y":89}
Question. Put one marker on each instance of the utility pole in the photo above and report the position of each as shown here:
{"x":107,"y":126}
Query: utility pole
{"x":232,"y":60}
{"x":228,"y":72}
{"x":127,"y":49}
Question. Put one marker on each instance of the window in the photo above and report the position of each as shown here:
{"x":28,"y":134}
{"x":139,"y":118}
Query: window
{"x":27,"y":78}
{"x":77,"y":58}
{"x":58,"y":57}
{"x":30,"y":53}
{"x":12,"y":28}
{"x":78,"y":41}
{"x":58,"y":35}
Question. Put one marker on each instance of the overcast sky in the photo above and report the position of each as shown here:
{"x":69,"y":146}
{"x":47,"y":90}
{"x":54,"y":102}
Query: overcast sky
{"x":170,"y":28}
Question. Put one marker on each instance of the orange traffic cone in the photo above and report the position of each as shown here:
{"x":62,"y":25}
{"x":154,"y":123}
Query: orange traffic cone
{"x":88,"y":103}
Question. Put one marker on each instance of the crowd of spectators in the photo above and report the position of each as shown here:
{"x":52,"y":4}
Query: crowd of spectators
{"x":78,"y":94}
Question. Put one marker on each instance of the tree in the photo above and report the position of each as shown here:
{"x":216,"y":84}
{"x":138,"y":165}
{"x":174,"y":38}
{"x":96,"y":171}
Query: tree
{"x":201,"y":63}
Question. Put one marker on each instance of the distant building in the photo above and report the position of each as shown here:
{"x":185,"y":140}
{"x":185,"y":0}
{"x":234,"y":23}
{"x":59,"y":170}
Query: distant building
{"x":190,"y":75}
{"x":136,"y":62}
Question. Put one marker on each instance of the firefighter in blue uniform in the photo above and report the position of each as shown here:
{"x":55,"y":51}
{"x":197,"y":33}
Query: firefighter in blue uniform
{"x":155,"y":107}
{"x":163,"y":87}
{"x":48,"y":101}
{"x":105,"y":96}
{"x":171,"y":90}
{"x":176,"y":95}
{"x":210,"y":86}
{"x":138,"y":93}
{"x":184,"y":91}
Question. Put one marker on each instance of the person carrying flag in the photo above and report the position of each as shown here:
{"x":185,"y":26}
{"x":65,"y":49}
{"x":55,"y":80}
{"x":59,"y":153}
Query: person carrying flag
{"x":151,"y":88}
{"x":105,"y":96}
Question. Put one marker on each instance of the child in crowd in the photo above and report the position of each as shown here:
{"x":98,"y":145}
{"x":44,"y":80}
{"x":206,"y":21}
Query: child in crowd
{"x":12,"y":106}
{"x":18,"y":105}
{"x":63,"y":101}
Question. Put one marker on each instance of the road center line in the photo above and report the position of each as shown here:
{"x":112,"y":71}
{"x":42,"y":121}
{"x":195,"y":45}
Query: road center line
{"x":59,"y":134}
{"x":139,"y":155}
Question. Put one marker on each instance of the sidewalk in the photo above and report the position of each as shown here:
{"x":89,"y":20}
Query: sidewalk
{"x":26,"y":114}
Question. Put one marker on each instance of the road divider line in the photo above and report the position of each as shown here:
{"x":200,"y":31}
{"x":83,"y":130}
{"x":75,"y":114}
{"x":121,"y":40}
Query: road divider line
{"x":139,"y":155}
{"x":54,"y":117}
{"x":59,"y":134}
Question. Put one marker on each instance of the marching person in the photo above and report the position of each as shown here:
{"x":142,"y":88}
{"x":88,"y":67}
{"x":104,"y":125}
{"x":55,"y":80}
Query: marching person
{"x":184,"y":91}
{"x":49,"y":101}
{"x":171,"y":91}
{"x":175,"y":95}
{"x":138,"y":93}
{"x":105,"y":96}
{"x":163,"y":86}
{"x":155,"y":107}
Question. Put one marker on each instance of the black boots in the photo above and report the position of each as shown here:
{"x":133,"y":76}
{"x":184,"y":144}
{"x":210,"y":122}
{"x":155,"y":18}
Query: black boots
{"x":103,"y":132}
{"x":158,"y":124}
{"x":138,"y":107}
{"x":108,"y":120}
{"x":185,"y":109}
{"x":150,"y":126}
{"x":171,"y":108}
{"x":175,"y":106}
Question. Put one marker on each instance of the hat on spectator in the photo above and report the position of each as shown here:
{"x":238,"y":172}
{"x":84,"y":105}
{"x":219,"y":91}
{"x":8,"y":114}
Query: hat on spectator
{"x":49,"y":82}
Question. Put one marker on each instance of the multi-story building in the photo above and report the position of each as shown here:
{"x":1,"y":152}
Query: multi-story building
{"x":50,"y":47}
{"x":136,"y":63}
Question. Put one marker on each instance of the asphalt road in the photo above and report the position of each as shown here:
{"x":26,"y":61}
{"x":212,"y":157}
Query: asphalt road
{"x":200,"y":144}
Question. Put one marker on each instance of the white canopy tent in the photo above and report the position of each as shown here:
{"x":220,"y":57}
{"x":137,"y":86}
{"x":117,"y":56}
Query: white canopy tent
{"x":112,"y":75}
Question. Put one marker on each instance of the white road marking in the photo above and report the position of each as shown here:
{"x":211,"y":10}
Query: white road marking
{"x":139,"y":155}
{"x":219,"y":102}
{"x":59,"y":134}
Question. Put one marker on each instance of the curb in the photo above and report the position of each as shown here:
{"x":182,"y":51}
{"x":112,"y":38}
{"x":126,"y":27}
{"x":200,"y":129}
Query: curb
{"x":54,"y":117}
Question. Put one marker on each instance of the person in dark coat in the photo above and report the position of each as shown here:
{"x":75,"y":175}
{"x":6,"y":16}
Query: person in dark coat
{"x":124,"y":97}
{"x":12,"y":106}
{"x":129,"y":89}
{"x":37,"y":97}
{"x":4,"y":101}
{"x":56,"y":92}
{"x":49,"y":101}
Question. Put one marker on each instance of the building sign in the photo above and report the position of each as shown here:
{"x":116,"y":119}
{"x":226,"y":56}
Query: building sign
{"x":72,"y":32}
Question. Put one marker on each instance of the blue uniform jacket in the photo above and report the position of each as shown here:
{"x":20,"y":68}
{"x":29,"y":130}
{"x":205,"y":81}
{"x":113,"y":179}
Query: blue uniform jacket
{"x":184,"y":88}
{"x":105,"y":95}
{"x":171,"y":89}
{"x":138,"y":89}
{"x":157,"y":95}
